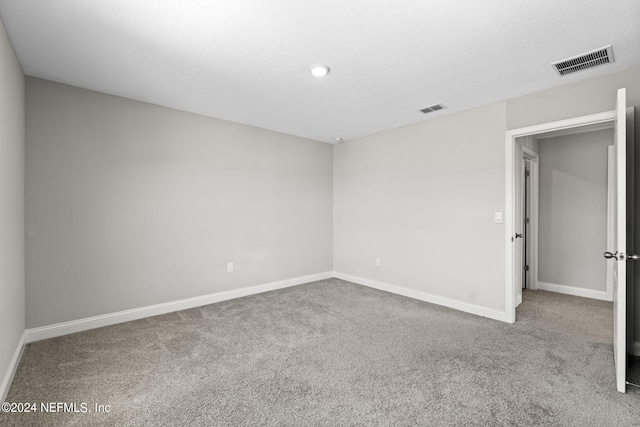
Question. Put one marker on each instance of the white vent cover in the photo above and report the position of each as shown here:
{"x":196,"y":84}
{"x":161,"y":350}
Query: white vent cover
{"x":591,"y":59}
{"x":432,"y":108}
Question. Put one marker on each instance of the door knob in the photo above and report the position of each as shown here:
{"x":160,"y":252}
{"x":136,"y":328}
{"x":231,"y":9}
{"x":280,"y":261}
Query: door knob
{"x":621,"y":257}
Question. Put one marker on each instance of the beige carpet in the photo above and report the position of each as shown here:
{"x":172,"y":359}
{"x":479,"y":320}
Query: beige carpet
{"x":333,"y":353}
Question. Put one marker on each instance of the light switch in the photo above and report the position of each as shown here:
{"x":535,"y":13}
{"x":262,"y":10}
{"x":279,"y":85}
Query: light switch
{"x":497,"y":217}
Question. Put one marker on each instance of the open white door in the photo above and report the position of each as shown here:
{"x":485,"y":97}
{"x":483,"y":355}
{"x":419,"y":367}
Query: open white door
{"x":619,"y":270}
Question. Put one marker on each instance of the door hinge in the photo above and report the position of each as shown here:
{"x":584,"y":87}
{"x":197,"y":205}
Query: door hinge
{"x":526,"y":268}
{"x":526,"y":220}
{"x":526,"y":173}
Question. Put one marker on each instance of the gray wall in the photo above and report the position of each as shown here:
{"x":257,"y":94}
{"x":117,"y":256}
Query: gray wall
{"x":12,"y":123}
{"x":573,"y":209}
{"x":130,"y":204}
{"x":422,"y":199}
{"x":125,"y":198}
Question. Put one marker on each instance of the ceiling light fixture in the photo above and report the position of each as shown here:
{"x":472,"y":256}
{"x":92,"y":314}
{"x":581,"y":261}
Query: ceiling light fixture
{"x":319,"y":70}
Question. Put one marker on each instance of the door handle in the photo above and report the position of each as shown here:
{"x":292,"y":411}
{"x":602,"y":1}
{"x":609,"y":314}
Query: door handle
{"x":518,"y":236}
{"x":621,"y":257}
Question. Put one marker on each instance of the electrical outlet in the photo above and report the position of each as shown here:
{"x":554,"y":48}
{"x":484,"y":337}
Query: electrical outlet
{"x":229,"y":267}
{"x":377,"y":262}
{"x":497,"y":217}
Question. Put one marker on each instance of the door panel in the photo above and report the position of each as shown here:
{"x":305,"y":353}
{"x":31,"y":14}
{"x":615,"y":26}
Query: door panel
{"x":630,"y":125}
{"x":620,"y":244}
{"x":526,"y":244}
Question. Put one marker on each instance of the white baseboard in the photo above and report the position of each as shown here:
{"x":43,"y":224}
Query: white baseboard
{"x":572,"y":290}
{"x":13,"y":366}
{"x":636,"y":348}
{"x":423,"y":296}
{"x":65,"y":328}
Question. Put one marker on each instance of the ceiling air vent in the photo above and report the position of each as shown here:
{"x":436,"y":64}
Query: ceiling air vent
{"x":591,"y":59}
{"x":432,"y":108}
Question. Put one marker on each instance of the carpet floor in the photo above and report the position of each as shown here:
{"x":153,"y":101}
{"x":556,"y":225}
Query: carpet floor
{"x":333,"y":353}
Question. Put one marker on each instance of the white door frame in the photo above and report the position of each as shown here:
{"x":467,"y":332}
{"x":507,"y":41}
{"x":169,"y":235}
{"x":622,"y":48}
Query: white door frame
{"x":512,"y":155}
{"x":532,"y":240}
{"x":525,"y":153}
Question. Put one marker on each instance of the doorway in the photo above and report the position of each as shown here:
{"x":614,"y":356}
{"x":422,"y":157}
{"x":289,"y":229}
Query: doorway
{"x":518,"y":143}
{"x":623,"y":200}
{"x":571,"y":212}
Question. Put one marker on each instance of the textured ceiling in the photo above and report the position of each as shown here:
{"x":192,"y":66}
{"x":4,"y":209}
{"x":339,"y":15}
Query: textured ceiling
{"x":247,"y":60}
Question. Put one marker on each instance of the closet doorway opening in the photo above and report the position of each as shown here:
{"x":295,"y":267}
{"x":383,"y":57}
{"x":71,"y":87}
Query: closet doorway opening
{"x":563,"y":212}
{"x":621,"y":216}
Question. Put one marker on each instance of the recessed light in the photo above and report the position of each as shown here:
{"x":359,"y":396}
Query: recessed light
{"x":319,"y":70}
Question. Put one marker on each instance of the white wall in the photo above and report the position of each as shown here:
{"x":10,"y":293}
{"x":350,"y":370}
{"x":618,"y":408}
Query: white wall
{"x":573,"y":209}
{"x":12,"y":123}
{"x":130,"y":204}
{"x":422,"y":199}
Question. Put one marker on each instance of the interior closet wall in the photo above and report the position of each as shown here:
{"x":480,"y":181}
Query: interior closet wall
{"x":573,"y":209}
